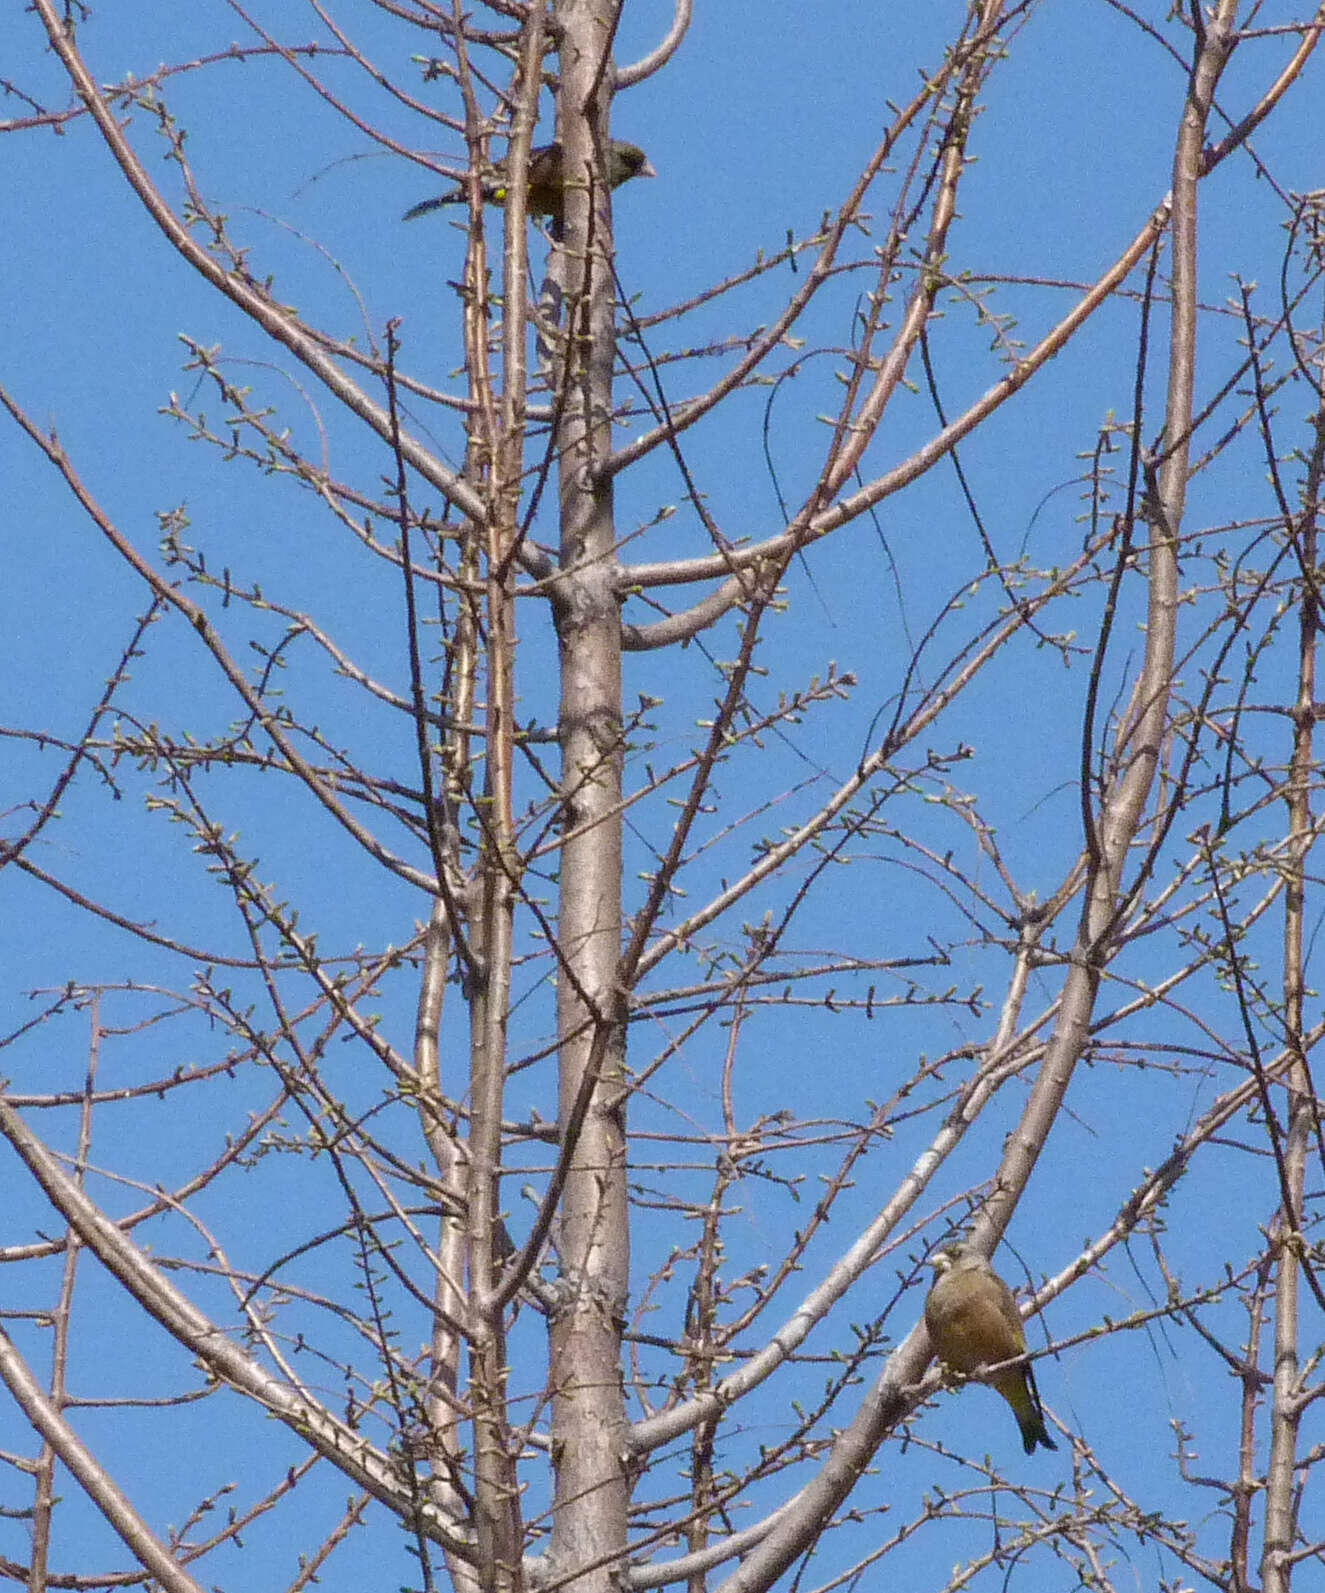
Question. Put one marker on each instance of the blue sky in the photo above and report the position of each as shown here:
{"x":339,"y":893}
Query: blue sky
{"x":756,"y":128}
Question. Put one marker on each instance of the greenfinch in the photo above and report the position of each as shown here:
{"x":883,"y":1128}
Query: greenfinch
{"x":546,"y":190}
{"x":973,"y":1322}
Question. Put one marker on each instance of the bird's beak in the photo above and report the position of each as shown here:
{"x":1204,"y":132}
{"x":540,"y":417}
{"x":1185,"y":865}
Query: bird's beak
{"x":646,"y":170}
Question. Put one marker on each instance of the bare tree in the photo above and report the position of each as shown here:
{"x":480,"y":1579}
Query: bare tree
{"x":604,"y":1010}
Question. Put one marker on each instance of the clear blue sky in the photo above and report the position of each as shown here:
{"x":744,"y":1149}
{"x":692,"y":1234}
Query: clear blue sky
{"x":759,"y":126}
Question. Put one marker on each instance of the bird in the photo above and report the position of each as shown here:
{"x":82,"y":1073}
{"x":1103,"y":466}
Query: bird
{"x":545,"y":190}
{"x":973,"y":1322}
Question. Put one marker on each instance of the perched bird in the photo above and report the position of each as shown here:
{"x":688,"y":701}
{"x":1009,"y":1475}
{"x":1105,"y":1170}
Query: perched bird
{"x":546,"y":189}
{"x":973,"y":1322}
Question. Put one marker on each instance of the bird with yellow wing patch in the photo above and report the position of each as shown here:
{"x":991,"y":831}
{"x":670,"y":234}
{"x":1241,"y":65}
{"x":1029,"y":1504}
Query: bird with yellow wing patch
{"x":545,"y":180}
{"x":974,"y":1323}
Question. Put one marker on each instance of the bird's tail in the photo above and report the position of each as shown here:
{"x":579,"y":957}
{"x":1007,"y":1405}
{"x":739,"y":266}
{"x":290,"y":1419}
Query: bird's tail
{"x":1031,"y":1419}
{"x":426,"y":205}
{"x":1033,"y":1431}
{"x":1017,"y":1386}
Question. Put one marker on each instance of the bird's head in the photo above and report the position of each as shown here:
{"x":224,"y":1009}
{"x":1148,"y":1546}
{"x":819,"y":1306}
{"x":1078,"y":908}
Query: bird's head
{"x":956,"y":1256}
{"x":627,"y":161}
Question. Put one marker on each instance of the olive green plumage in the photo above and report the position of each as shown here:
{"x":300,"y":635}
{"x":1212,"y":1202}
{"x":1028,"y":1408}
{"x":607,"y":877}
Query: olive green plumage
{"x":546,"y":188}
{"x":973,"y":1322}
